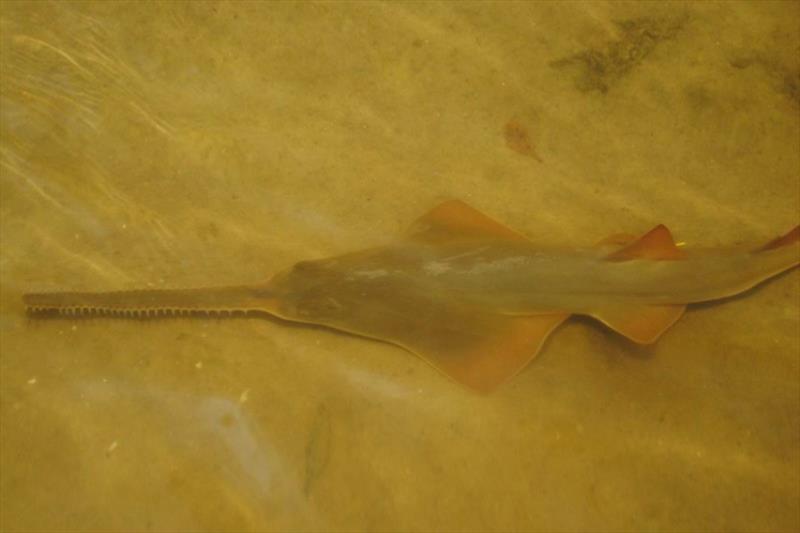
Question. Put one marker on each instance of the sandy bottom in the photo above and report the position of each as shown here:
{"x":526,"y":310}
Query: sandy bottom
{"x":188,"y":144}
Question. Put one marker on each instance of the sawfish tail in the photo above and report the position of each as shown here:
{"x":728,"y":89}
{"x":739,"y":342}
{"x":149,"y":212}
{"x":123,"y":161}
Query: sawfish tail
{"x":223,"y":301}
{"x":778,"y":255}
{"x":791,"y":237}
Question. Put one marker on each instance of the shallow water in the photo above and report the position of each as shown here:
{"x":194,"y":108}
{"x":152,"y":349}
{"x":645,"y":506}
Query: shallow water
{"x":191,"y":144}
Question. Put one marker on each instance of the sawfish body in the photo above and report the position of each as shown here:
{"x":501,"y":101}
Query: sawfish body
{"x":471,"y":296}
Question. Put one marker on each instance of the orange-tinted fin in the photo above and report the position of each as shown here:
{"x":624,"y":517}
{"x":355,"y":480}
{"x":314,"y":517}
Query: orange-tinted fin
{"x":479,"y":349}
{"x":455,"y":220}
{"x":656,"y":244}
{"x":790,"y":237}
{"x":642,"y":324}
{"x":491,"y":355}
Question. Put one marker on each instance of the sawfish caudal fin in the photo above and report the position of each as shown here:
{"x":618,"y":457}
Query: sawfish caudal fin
{"x":643,"y":324}
{"x":777,"y":256}
{"x":791,"y":237}
{"x":656,"y":244}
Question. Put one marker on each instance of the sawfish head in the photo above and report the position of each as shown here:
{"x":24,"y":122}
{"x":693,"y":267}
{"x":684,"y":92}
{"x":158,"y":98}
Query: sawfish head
{"x":312,"y":291}
{"x":352,"y":292}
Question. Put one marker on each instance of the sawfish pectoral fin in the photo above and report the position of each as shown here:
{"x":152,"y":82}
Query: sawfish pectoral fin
{"x":455,"y":220}
{"x":642,"y":324}
{"x":489,"y":354}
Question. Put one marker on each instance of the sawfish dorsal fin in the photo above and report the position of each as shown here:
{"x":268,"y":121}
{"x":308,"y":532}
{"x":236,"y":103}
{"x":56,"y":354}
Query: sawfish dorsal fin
{"x":455,"y":220}
{"x":643,"y":324}
{"x":656,"y":244}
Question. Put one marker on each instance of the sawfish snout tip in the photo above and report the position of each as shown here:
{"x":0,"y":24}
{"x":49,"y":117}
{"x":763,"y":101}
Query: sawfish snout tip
{"x":41,"y":305}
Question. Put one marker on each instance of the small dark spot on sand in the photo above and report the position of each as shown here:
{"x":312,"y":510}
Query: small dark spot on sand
{"x":208,"y":231}
{"x":227,"y":420}
{"x":785,"y":78}
{"x":741,"y":62}
{"x":698,"y":98}
{"x":519,"y":140}
{"x":597,"y":69}
{"x":791,"y":85}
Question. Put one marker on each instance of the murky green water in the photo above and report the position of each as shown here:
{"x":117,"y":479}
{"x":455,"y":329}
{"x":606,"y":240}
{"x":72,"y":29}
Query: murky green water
{"x":190,"y":144}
